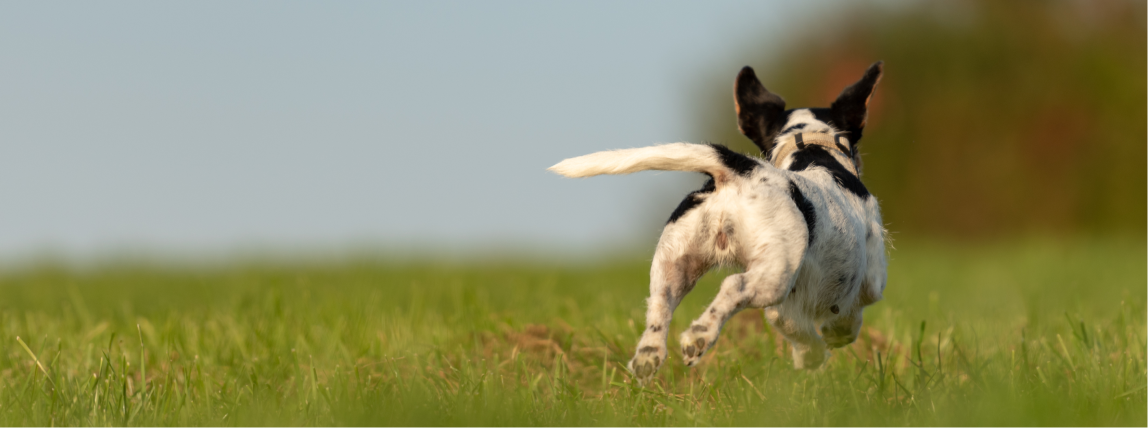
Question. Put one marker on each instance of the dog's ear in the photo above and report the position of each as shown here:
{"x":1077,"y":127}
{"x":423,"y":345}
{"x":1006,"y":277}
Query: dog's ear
{"x":851,"y":107}
{"x":759,"y":112}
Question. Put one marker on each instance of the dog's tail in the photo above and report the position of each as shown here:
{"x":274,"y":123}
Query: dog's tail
{"x":717,"y":161}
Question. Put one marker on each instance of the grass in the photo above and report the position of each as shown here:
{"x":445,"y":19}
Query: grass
{"x":1013,"y":333}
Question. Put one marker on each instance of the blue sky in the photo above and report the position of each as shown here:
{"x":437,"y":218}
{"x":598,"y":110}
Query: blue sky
{"x":217,"y":126}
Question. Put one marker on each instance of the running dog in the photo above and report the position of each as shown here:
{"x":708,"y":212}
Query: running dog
{"x":799,"y":221}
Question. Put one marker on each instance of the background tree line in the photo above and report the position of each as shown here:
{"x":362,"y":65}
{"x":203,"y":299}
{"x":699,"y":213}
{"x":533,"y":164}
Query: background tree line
{"x":993,"y":118}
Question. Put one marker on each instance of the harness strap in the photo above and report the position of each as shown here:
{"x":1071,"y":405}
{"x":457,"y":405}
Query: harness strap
{"x":823,"y":140}
{"x":841,"y":147}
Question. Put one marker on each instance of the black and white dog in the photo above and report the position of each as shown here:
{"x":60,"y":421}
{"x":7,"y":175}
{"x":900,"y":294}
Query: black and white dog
{"x":806,"y":231}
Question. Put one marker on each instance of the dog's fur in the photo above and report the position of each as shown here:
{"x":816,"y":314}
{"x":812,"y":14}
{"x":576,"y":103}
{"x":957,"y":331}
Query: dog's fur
{"x":800,"y":222}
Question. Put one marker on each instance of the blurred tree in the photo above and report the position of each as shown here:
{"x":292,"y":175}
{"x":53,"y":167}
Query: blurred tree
{"x":992,"y":118}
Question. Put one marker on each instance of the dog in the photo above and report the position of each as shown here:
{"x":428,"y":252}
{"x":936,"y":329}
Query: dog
{"x":798,"y":221}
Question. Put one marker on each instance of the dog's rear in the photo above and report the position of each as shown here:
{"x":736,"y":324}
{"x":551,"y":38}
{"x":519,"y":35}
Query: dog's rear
{"x":806,"y":231}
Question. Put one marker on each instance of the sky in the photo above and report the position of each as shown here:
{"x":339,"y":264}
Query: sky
{"x":210,"y":127}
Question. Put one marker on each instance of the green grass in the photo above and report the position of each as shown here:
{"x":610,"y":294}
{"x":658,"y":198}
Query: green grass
{"x":1017,"y":333}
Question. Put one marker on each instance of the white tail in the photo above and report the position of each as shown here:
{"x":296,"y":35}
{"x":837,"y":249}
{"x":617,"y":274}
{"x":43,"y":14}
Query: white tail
{"x":666,"y":157}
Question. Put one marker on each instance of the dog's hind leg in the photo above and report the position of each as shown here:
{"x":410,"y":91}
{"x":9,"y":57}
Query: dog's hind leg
{"x":672,"y":275}
{"x":762,"y":285}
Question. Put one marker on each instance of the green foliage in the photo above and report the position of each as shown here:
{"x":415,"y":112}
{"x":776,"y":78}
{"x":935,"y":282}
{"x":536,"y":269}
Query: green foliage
{"x":993,"y":117}
{"x":1020,"y":333}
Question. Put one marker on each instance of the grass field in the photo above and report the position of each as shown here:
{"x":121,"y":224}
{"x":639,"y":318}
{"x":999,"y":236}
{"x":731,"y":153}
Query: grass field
{"x":1017,"y":333}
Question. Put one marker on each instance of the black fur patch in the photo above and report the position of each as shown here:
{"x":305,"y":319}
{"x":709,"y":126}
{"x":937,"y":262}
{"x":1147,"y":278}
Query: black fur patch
{"x":805,"y":207}
{"x":739,"y":163}
{"x":692,"y":200}
{"x":797,"y":126}
{"x":825,"y":115}
{"x":817,"y":156}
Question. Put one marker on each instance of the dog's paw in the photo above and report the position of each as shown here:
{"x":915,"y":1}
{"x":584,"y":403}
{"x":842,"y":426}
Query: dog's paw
{"x":838,"y":341}
{"x":841,"y":332}
{"x":810,"y":358}
{"x":695,"y":341}
{"x":646,"y":362}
